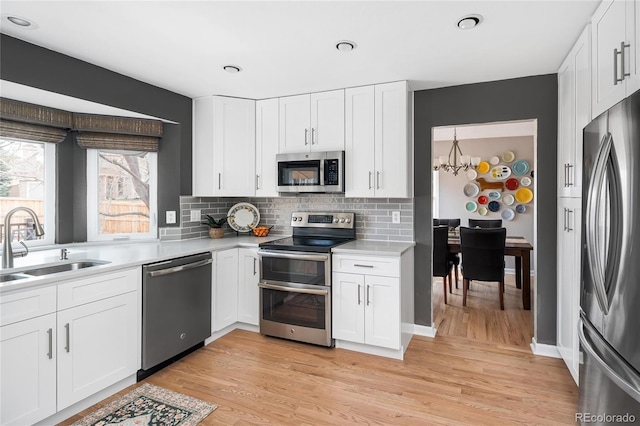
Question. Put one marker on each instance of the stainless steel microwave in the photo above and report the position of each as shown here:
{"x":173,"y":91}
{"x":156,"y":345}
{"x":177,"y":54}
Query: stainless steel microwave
{"x":311,"y":172}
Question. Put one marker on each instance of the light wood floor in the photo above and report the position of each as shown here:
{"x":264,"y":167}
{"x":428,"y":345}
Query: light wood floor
{"x":482,"y":318}
{"x":446,"y":380}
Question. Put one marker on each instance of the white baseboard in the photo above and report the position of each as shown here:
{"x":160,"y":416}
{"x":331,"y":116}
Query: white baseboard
{"x":371,"y":350}
{"x":241,"y":325}
{"x":423,"y":330}
{"x":550,"y":351}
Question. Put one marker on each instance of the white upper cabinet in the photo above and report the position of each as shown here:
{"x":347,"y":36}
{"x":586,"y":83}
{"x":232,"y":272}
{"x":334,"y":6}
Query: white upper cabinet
{"x":379,"y":148}
{"x":313,"y":122}
{"x":574,"y":113}
{"x":615,"y":47}
{"x":224,"y":147}
{"x":267,"y":134}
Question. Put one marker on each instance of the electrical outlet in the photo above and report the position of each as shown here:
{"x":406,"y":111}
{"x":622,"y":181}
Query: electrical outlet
{"x":170,"y":216}
{"x":395,"y":217}
{"x":195,"y":215}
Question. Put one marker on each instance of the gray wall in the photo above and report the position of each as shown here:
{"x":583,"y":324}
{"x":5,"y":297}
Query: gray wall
{"x":517,"y":99}
{"x":34,"y":66}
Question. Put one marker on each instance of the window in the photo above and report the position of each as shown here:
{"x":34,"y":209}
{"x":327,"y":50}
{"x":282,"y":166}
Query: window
{"x":27,"y":179}
{"x":121,"y":195}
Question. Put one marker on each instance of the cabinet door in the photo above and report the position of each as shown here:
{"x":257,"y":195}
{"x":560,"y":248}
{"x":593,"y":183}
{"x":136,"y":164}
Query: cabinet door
{"x":203,"y":180}
{"x":632,"y":60}
{"x":566,"y":123}
{"x":225,"y":294}
{"x":382,"y":311}
{"x":569,"y":217}
{"x":327,"y":121}
{"x":295,"y":131}
{"x":234,"y":146}
{"x":393,"y":171}
{"x":248,"y":292}
{"x":359,"y":141}
{"x":348,"y":307}
{"x":97,"y":346}
{"x":28,"y":371}
{"x":608,"y":32}
{"x":267,"y":132}
{"x":582,"y":67}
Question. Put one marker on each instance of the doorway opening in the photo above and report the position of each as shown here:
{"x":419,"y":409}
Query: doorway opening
{"x":507,"y":151}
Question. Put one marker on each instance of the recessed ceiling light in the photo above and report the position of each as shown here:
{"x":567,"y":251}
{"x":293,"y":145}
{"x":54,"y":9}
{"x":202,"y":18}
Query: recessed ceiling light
{"x":232,"y":68}
{"x":345,"y":46}
{"x":20,"y":21}
{"x":469,"y":21}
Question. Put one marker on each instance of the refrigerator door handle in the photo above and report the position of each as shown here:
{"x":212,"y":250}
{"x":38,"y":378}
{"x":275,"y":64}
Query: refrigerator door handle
{"x":593,"y":205}
{"x":630,"y":388}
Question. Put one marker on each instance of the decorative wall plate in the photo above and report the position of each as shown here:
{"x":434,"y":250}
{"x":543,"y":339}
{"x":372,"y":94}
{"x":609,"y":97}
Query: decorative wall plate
{"x":472,"y":174}
{"x":525,"y":181}
{"x":520,"y":168}
{"x":494,"y":195}
{"x":494,"y":161}
{"x":508,"y":199}
{"x":508,"y":156}
{"x":482,"y":211}
{"x":508,"y":214}
{"x":471,"y":206}
{"x":471,"y":190}
{"x":242,"y":217}
{"x":500,"y":172}
{"x":483,"y":199}
{"x":521,"y":208}
{"x":511,"y":184}
{"x":524,"y":195}
{"x":494,"y":206}
{"x":483,"y":167}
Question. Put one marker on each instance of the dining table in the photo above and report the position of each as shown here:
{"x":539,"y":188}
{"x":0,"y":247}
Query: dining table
{"x":520,"y":249}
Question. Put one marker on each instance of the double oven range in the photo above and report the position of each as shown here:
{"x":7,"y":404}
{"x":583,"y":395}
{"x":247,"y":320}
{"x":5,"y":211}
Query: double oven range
{"x":295,"y":277}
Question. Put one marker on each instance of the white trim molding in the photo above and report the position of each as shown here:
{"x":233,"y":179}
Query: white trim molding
{"x":539,"y":349}
{"x":423,"y":330}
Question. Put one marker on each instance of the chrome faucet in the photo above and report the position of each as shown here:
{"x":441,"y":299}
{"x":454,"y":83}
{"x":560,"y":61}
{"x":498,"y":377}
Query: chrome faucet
{"x":7,"y":251}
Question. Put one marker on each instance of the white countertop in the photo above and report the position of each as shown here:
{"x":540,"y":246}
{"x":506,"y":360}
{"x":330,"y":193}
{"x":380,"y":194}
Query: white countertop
{"x":118,"y":256}
{"x":133,"y":254}
{"x":378,"y":248}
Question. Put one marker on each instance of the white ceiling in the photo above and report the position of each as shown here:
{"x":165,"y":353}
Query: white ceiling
{"x":288,"y":47}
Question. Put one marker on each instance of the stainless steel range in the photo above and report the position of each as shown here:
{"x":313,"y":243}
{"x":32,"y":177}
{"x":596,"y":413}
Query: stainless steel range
{"x":295,"y":277}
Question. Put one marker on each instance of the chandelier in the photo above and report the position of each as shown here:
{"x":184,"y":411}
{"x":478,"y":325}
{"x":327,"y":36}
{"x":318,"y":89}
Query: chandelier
{"x":451,"y":164}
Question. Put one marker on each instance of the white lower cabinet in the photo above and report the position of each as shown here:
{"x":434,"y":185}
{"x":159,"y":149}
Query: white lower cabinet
{"x":28,"y":370}
{"x":225,"y":289}
{"x":96,"y":347}
{"x":51,"y":360}
{"x":366,"y":309}
{"x":248,"y":292}
{"x":372,"y":302}
{"x":569,"y":249}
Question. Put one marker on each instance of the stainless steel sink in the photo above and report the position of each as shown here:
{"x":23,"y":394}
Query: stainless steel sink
{"x":62,"y":267}
{"x":12,"y":277}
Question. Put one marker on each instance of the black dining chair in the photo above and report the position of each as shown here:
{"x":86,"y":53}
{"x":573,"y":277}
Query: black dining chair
{"x":482,"y":257}
{"x":454,"y":258}
{"x":441,"y":264}
{"x":485,"y":223}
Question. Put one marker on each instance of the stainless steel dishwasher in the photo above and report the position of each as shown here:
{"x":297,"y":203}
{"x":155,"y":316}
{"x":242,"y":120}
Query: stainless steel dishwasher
{"x":176,"y":310}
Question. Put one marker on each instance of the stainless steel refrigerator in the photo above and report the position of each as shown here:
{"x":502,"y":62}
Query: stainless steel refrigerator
{"x":609,"y":329}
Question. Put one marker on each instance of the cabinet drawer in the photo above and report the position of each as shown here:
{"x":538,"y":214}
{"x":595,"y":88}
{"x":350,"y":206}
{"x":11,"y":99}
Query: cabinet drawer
{"x":371,"y":265}
{"x":27,"y":304}
{"x":97,"y":287}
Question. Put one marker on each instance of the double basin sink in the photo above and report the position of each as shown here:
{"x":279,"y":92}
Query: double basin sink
{"x":50,"y":268}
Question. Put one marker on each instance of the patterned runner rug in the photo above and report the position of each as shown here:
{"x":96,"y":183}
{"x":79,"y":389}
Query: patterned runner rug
{"x":150,"y":405}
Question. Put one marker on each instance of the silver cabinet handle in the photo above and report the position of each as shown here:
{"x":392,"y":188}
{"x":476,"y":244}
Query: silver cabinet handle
{"x":219,"y":180}
{"x":616,"y":80}
{"x":362,"y":266}
{"x":50,"y":333}
{"x":569,"y":180}
{"x":564,"y":219}
{"x":569,"y":213}
{"x":377,"y":180}
{"x":359,"y":294}
{"x":306,"y":131}
{"x":369,"y":180}
{"x":368,"y":295}
{"x":313,"y":135}
{"x":67,"y":331}
{"x":257,"y":181}
{"x":623,"y":74}
{"x":254,"y":266}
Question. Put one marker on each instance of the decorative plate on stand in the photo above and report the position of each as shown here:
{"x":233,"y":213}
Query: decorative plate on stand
{"x":242,"y":217}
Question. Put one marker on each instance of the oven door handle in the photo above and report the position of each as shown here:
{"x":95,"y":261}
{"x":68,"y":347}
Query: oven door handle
{"x":322,"y":292}
{"x":295,"y":256}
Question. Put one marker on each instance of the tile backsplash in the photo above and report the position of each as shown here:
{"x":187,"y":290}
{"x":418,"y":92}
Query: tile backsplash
{"x":373,"y":215}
